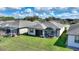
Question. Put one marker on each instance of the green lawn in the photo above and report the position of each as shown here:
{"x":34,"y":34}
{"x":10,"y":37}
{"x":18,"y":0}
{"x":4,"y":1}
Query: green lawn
{"x":30,"y":43}
{"x":62,"y":40}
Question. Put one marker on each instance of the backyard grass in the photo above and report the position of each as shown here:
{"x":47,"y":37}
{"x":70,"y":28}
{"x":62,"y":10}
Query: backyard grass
{"x":62,"y":40}
{"x":29,"y":43}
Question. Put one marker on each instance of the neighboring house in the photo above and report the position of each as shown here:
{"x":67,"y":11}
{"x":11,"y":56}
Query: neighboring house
{"x":73,"y":36}
{"x":36,"y":28}
{"x":24,"y":25}
{"x":8,"y":27}
{"x":14,"y":27}
{"x":46,"y":29}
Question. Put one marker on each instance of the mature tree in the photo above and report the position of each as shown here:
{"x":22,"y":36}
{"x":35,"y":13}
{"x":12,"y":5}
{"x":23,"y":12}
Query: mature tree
{"x":50,"y":18}
{"x":31,"y":18}
{"x":6,"y":18}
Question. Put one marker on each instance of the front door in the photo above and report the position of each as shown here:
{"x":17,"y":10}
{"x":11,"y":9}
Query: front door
{"x":38,"y":32}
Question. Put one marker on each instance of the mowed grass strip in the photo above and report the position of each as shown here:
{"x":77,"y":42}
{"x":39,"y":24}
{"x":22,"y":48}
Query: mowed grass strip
{"x":29,"y":43}
{"x":62,"y":40}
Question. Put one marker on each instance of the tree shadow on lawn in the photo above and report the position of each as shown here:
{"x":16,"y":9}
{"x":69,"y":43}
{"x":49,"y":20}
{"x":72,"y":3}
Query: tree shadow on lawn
{"x":62,"y":40}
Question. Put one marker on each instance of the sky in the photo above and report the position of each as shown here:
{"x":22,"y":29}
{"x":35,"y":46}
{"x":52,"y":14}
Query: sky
{"x":43,"y":12}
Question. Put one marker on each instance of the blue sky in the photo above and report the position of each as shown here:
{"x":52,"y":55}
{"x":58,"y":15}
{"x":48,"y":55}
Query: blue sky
{"x":43,"y":12}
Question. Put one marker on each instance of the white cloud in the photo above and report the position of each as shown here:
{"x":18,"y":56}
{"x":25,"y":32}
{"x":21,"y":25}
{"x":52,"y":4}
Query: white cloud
{"x":75,"y":12}
{"x":2,"y":14}
{"x":43,"y":8}
{"x":28,"y":10}
{"x":22,"y":14}
{"x":63,"y":14}
{"x":40,"y":8}
{"x":17,"y":14}
{"x":52,"y":13}
{"x":64,"y":8}
{"x":47,"y":11}
{"x":72,"y":15}
{"x":15,"y":8}
{"x":36,"y":14}
{"x":44,"y":15}
{"x":37,"y":8}
{"x":2,"y":8}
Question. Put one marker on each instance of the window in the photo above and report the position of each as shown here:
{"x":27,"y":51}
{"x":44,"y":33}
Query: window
{"x":77,"y":39}
{"x":8,"y":31}
{"x":31,"y":30}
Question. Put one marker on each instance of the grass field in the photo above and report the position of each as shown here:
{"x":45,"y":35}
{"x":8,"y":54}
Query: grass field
{"x":30,"y":43}
{"x":62,"y":40}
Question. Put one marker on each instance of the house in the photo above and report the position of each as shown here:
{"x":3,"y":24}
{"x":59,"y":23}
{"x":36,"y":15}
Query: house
{"x":36,"y":28}
{"x":8,"y":27}
{"x":46,"y":29}
{"x":14,"y":27}
{"x":73,"y":36}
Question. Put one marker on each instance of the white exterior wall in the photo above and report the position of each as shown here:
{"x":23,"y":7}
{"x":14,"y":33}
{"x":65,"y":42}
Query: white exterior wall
{"x":71,"y":41}
{"x":23,"y":30}
{"x":61,"y":30}
{"x":67,"y":27}
{"x":2,"y":32}
{"x":43,"y":32}
{"x":32,"y":33}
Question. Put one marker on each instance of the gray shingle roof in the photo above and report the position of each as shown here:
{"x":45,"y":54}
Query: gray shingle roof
{"x":9,"y":24}
{"x":44,"y":25}
{"x":39,"y":25}
{"x":74,"y":29}
{"x":29,"y":24}
{"x":57,"y":24}
{"x":24,"y":23}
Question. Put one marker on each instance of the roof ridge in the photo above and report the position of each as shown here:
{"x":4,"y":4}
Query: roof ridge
{"x":56,"y":24}
{"x":43,"y":25}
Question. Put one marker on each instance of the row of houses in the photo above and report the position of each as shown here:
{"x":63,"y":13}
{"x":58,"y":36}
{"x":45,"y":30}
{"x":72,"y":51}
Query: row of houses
{"x":36,"y":28}
{"x":41,"y":29}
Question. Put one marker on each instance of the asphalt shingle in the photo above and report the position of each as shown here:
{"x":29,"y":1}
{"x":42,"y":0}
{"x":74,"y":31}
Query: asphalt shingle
{"x":74,"y":29}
